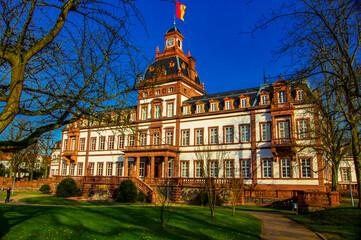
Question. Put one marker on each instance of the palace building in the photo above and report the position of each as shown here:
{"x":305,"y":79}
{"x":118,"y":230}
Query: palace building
{"x":262,"y":131}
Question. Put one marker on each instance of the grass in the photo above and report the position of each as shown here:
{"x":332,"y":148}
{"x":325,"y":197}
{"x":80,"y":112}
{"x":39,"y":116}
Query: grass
{"x":261,"y":208}
{"x":52,"y":200}
{"x":344,"y":222}
{"x":29,"y":222}
{"x":3,"y":193}
{"x":346,"y":201}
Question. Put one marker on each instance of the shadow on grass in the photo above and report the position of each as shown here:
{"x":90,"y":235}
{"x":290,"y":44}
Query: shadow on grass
{"x":30,"y":222}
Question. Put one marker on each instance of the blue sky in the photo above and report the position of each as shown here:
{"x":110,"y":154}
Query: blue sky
{"x":226,"y":59}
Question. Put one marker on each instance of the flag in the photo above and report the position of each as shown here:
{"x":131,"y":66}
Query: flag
{"x":180,"y":10}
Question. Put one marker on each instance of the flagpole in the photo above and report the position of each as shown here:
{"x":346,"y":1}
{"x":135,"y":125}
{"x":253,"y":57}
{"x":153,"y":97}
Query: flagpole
{"x":175,"y":9}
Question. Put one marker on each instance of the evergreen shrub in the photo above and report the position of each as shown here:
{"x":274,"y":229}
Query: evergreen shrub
{"x":45,"y":189}
{"x":67,"y":188}
{"x":127,"y":192}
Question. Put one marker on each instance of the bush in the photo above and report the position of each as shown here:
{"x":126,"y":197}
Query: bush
{"x":67,"y":188}
{"x":45,"y":189}
{"x":127,"y":192}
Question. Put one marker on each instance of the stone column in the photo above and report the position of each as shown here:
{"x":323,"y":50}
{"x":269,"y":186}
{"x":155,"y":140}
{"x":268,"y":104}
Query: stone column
{"x":176,"y":167}
{"x":152,"y":166}
{"x":137,"y":167}
{"x":126,"y":167}
{"x":165,"y":167}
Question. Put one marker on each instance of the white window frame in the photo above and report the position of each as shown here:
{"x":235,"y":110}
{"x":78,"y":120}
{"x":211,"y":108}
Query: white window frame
{"x":245,"y":136}
{"x":303,"y":129}
{"x":281,"y":97}
{"x":185,"y":110}
{"x":141,"y":169}
{"x":111,"y":142}
{"x":185,"y":169}
{"x":264,"y":100}
{"x":198,"y":169}
{"x":284,"y":129}
{"x":266,"y":131}
{"x":199,"y":108}
{"x":185,"y":138}
{"x":121,"y":140}
{"x":109,"y":169}
{"x":144,"y":113}
{"x":157,"y":111}
{"x":243,"y":102}
{"x":170,"y":138}
{"x":213,"y":135}
{"x":229,"y":169}
{"x":245,"y":168}
{"x":100,"y":169}
{"x":228,"y":105}
{"x":306,"y":168}
{"x":213,"y":106}
{"x":92,"y":168}
{"x":101,"y":143}
{"x":199,"y":136}
{"x":267,"y":168}
{"x":143,"y":139}
{"x":170,"y":109}
{"x":286,"y":170}
{"x":156,"y":138}
{"x":228,"y":136}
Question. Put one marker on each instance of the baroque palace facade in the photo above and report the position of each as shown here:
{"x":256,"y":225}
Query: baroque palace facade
{"x":263,"y":130}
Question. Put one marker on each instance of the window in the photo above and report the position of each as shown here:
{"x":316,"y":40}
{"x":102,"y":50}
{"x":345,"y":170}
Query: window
{"x":264,"y":100}
{"x":91,"y":169}
{"x":111,"y":142}
{"x":300,"y":95}
{"x":171,"y":89}
{"x":185,"y":110}
{"x":245,"y":169}
{"x":184,"y":169}
{"x":141,"y":169}
{"x":265,"y":132}
{"x":244,"y":133}
{"x":229,"y":169}
{"x":65,"y":144}
{"x":303,"y":130}
{"x":213,"y":169}
{"x":185,"y":138}
{"x":199,"y":108}
{"x":119,"y":169}
{"x":100,"y":169}
{"x":80,"y":169}
{"x":281,"y":97}
{"x":213,"y":132}
{"x":82,"y":144}
{"x":73,"y":141}
{"x":199,"y":136}
{"x":157,"y":92}
{"x":65,"y":166}
{"x":228,"y":134}
{"x":170,"y":138}
{"x":157,"y":111}
{"x":185,"y":90}
{"x":170,"y":169}
{"x":346,"y":174}
{"x":109,"y":168}
{"x":102,"y":143}
{"x":131,"y":140}
{"x":72,"y":168}
{"x":243,"y":102}
{"x":93,"y":143}
{"x":145,"y":94}
{"x":155,"y":138}
{"x":286,"y":168}
{"x":143,"y":139}
{"x":284,"y":130}
{"x":267,"y":168}
{"x":144,"y":113}
{"x":213,"y":107}
{"x":228,"y":105}
{"x":306,"y":168}
{"x":170,"y":109}
{"x":121,"y":142}
{"x":132,"y":117}
{"x":198,"y":169}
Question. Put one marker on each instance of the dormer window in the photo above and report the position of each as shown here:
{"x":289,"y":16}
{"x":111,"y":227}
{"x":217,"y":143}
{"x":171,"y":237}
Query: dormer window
{"x":300,"y":95}
{"x":213,"y":107}
{"x":228,"y":105}
{"x":199,"y":108}
{"x":264,"y":99}
{"x":185,"y":110}
{"x":243,"y":102}
{"x":281,"y":97}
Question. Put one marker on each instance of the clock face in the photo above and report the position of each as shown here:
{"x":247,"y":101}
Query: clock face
{"x":170,"y":42}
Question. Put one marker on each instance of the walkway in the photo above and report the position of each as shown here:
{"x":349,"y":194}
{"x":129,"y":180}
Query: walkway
{"x":275,"y":226}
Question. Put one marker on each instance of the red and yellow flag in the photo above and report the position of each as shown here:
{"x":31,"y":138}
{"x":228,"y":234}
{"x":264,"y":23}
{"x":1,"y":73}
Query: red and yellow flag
{"x":180,"y":10}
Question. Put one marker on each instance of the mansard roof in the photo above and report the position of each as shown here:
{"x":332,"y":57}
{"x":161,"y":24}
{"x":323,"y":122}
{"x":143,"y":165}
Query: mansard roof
{"x":168,"y":66}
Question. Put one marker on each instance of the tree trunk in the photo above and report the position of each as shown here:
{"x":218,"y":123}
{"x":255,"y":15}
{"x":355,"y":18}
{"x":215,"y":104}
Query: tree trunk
{"x":334,"y":184}
{"x":356,"y":152}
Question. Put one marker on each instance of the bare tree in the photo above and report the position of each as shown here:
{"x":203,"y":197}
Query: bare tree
{"x":63,"y":60}
{"x":328,"y":33}
{"x":236,"y":189}
{"x":211,"y":162}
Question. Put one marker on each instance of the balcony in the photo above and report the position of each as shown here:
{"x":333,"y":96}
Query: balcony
{"x":151,"y":148}
{"x":70,"y":155}
{"x":283,"y":146}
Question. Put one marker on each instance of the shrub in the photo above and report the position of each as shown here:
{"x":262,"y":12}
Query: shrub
{"x":45,"y":189}
{"x":127,"y":192}
{"x":67,"y":188}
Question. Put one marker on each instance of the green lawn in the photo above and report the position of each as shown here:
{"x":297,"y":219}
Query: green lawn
{"x":31,"y":222}
{"x":343,"y":221}
{"x":52,"y":200}
{"x":3,"y":193}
